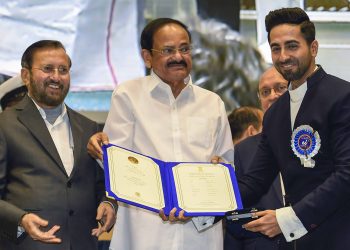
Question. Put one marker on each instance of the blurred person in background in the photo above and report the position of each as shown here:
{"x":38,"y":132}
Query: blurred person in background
{"x":245,"y":122}
{"x":12,"y":91}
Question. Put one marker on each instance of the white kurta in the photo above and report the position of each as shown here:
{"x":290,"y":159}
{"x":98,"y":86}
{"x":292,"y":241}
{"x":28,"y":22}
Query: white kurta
{"x":146,"y":118}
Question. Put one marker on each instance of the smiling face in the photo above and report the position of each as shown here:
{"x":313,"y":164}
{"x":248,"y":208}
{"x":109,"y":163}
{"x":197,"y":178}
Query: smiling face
{"x":47,"y":83}
{"x":291,"y":55}
{"x":172,"y":69}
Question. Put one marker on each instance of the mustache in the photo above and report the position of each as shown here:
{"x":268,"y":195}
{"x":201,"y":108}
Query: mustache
{"x":182,"y":62}
{"x":289,"y":61}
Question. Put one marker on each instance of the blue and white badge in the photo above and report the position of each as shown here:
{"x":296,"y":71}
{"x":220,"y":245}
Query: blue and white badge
{"x":305,"y":143}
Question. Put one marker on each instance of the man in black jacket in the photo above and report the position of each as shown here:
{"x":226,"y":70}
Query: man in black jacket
{"x":306,"y":137}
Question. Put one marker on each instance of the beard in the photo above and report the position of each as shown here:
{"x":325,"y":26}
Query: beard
{"x":41,"y":94}
{"x":297,"y":74}
{"x":289,"y":75}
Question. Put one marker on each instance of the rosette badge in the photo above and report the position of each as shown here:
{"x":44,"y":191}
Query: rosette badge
{"x":305,"y":144}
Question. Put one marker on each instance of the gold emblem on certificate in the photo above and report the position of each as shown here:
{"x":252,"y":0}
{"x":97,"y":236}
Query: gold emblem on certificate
{"x":133,"y":160}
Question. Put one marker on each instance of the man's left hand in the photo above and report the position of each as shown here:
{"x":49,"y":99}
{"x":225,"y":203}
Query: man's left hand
{"x":266,"y":224}
{"x":106,"y":215}
{"x":172,"y":217}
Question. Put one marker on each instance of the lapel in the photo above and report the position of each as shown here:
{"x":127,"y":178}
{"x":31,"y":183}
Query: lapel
{"x":77,"y":134}
{"x":309,"y":96}
{"x":30,"y":117}
{"x":284,"y":124}
{"x":276,"y":186}
{"x":281,"y":132}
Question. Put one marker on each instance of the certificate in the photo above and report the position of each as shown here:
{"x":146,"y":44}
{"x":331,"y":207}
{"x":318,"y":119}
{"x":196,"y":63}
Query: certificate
{"x":149,"y":183}
{"x":204,"y":187}
{"x":134,"y":178}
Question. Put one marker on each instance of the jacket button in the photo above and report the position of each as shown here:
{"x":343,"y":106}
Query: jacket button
{"x":69,"y":184}
{"x":71,"y":212}
{"x":291,"y":235}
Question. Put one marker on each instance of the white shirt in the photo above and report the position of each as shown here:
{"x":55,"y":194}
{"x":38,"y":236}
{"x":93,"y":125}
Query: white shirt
{"x":59,"y":132}
{"x":146,"y":118}
{"x":291,"y":227}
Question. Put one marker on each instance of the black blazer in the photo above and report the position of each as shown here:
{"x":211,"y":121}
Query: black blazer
{"x":243,"y":157}
{"x":236,"y":237}
{"x":320,"y":196}
{"x":33,"y":179}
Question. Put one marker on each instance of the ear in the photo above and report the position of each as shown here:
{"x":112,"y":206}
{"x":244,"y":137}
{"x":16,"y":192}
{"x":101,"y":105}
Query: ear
{"x":25,"y":74}
{"x":250,"y":131}
{"x":147,"y":58}
{"x":314,"y":48}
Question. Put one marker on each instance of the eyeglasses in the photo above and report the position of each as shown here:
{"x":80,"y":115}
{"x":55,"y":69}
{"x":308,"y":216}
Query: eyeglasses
{"x":50,"y":69}
{"x":266,"y":92}
{"x":169,"y":51}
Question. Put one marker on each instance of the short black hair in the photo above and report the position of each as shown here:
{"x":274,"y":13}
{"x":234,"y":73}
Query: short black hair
{"x":27,"y":57}
{"x":241,"y":118}
{"x":152,"y":27}
{"x":295,"y":16}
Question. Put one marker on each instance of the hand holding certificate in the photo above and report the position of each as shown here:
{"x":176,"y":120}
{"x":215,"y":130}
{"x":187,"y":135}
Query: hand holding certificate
{"x":143,"y":181}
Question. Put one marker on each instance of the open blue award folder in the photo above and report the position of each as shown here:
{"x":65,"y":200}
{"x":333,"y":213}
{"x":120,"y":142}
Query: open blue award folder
{"x":200,"y":189}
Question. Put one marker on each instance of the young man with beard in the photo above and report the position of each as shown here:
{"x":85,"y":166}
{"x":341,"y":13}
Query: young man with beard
{"x":52,"y":192}
{"x":164,"y":115}
{"x":306,"y":136}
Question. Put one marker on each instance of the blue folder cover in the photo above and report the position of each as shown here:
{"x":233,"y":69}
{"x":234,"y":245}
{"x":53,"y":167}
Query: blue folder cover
{"x":168,"y":184}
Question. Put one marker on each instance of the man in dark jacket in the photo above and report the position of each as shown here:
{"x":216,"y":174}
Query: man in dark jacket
{"x":306,"y":136}
{"x":52,"y":191}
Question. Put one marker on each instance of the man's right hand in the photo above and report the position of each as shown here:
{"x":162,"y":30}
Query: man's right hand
{"x":94,"y":145}
{"x":32,"y":223}
{"x":216,"y":159}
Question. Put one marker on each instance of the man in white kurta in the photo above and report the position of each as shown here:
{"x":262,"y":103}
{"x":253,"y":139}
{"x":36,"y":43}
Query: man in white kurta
{"x":146,"y":118}
{"x":165,"y":116}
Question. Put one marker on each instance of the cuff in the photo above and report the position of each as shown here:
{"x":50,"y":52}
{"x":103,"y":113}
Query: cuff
{"x":20,"y":231}
{"x":110,"y":203}
{"x":100,"y":163}
{"x":289,"y":223}
{"x":203,"y":222}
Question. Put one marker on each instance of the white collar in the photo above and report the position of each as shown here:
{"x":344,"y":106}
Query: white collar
{"x":43,"y":114}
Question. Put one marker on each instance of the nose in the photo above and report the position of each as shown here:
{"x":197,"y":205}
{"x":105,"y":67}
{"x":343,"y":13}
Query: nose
{"x":177,"y":54}
{"x":270,"y":99}
{"x":284,"y":55}
{"x":273,"y":96}
{"x":54,"y":74}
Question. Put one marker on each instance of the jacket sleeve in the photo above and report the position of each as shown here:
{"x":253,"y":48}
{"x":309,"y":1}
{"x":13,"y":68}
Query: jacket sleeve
{"x":10,"y":215}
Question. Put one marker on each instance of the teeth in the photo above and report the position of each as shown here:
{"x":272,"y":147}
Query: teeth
{"x":53,"y":86}
{"x":287,"y":65}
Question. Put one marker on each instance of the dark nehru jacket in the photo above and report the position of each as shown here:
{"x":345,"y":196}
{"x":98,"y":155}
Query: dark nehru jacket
{"x":320,"y":196}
